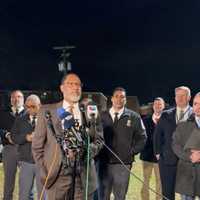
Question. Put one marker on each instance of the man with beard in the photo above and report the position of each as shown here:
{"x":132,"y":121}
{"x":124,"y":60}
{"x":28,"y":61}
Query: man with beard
{"x":61,"y":180}
{"x":9,"y":154}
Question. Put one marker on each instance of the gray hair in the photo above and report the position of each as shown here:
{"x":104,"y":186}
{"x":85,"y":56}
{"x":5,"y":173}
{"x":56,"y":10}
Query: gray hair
{"x":187,"y":89}
{"x":34,"y":98}
{"x":197,"y":94}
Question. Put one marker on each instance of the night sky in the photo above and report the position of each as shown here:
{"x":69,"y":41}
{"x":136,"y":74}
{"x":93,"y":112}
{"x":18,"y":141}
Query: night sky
{"x":147,"y":46}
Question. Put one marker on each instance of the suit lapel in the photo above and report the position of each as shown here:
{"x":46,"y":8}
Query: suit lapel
{"x":190,"y":111}
{"x":11,"y":112}
{"x":109,"y":118}
{"x":56,"y":120}
{"x":172,"y":117}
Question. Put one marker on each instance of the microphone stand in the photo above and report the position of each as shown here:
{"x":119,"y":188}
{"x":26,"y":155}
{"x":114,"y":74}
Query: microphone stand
{"x":72,"y":197}
{"x":87,"y":167}
{"x":87,"y":136}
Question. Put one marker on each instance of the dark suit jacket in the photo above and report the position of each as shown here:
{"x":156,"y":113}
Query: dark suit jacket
{"x":47,"y":152}
{"x":186,"y":137}
{"x":7,"y":119}
{"x":147,"y":154}
{"x":126,"y":138}
{"x":163,"y":136}
{"x":20,"y":129}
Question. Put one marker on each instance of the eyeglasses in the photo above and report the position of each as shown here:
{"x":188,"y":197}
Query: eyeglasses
{"x":71,"y":84}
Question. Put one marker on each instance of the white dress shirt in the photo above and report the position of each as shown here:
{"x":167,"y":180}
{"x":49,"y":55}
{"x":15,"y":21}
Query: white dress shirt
{"x":14,"y":110}
{"x":186,"y":111}
{"x":76,"y":110}
{"x":155,"y":118}
{"x":112,"y":113}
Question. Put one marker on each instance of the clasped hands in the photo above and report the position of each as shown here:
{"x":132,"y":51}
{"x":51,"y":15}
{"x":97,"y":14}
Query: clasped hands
{"x":195,"y":155}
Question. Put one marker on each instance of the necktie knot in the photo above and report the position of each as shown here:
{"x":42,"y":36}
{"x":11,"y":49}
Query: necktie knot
{"x":17,"y":112}
{"x":71,"y":109}
{"x":181,"y":115}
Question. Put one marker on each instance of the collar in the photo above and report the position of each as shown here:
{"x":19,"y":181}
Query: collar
{"x":155,"y":117}
{"x":197,"y":119}
{"x":19,"y":109}
{"x":112,"y":111}
{"x":66,"y":105}
{"x":32,"y":116}
{"x":182,"y":109}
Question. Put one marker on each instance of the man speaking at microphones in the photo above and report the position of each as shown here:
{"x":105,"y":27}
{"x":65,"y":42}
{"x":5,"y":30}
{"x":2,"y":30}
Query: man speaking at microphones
{"x":60,"y":146}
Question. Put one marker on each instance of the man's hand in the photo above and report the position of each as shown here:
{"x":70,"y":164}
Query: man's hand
{"x":8,"y":137}
{"x":71,"y":154}
{"x":195,"y":156}
{"x":29,"y":137}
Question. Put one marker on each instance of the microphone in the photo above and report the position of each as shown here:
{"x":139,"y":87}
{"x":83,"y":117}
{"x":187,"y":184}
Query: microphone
{"x":67,"y":116}
{"x":91,"y":116}
{"x":89,"y":110}
{"x":69,"y":122}
{"x":62,"y":113}
{"x":92,"y":111}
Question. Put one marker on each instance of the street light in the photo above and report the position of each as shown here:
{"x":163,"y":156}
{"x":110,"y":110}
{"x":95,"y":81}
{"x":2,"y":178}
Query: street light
{"x":64,"y":64}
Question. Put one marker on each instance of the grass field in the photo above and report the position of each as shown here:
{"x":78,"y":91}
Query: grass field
{"x":134,"y":185}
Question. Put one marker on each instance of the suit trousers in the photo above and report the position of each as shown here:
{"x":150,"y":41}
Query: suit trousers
{"x":168,"y":179}
{"x":148,"y":168}
{"x":113,"y":178}
{"x":27,"y":177}
{"x":10,"y":161}
{"x":61,"y":189}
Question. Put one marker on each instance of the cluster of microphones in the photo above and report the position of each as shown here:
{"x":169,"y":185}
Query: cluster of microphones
{"x":76,"y":135}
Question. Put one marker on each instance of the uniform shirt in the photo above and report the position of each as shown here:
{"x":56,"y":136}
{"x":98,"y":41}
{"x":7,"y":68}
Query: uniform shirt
{"x":112,"y":113}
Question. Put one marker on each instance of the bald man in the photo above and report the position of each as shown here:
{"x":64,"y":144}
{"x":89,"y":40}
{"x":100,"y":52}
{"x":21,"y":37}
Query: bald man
{"x":21,"y":134}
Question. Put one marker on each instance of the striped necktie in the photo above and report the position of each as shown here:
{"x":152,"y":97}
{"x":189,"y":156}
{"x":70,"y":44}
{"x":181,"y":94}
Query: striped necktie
{"x":33,"y":122}
{"x":181,"y":115}
{"x":71,"y":109}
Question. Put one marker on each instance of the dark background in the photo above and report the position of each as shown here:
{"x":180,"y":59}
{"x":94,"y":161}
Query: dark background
{"x":147,"y":46}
